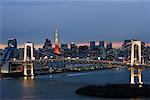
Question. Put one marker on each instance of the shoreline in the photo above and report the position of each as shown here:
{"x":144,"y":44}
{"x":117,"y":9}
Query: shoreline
{"x":20,"y":74}
{"x":116,"y":91}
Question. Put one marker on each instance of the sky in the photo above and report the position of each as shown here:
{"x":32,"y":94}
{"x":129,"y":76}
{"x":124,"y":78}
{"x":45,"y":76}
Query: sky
{"x":79,"y":21}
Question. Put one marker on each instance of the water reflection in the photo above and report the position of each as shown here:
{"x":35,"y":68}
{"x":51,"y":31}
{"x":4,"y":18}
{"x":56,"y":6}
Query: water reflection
{"x":25,"y":78}
{"x":31,"y":77}
{"x":28,"y":81}
{"x":28,"y":84}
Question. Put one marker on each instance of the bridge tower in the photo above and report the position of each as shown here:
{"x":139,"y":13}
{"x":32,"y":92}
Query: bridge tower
{"x":136,"y":59}
{"x":56,"y":49}
{"x":28,"y":44}
{"x":26,"y":64}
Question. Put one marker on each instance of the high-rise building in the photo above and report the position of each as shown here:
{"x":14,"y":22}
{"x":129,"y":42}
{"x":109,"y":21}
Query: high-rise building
{"x":83,"y":51}
{"x":72,"y":45}
{"x":12,"y":43}
{"x":92,"y":44}
{"x":64,"y":46}
{"x":73,"y":50}
{"x":109,"y":46}
{"x":102,"y":44}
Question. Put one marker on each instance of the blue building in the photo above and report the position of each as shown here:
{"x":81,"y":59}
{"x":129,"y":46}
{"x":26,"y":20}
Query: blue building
{"x":92,"y":44}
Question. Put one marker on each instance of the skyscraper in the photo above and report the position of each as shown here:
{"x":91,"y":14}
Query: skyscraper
{"x":101,"y":44}
{"x":73,"y":49}
{"x":72,"y":45}
{"x":102,"y":49}
{"x":108,"y":47}
{"x":92,"y":44}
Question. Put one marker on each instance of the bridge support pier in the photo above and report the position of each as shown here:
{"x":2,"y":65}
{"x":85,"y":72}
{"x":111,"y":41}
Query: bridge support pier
{"x":25,"y":70}
{"x":30,"y":68}
{"x":138,"y":75}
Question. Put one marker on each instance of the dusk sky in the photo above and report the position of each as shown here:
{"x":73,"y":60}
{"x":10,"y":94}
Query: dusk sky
{"x":79,"y":21}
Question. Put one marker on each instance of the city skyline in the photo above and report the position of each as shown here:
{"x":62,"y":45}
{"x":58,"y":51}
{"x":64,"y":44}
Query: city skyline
{"x":114,"y":44}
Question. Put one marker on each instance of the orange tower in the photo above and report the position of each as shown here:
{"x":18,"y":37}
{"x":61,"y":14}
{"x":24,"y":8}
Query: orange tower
{"x":56,"y":49}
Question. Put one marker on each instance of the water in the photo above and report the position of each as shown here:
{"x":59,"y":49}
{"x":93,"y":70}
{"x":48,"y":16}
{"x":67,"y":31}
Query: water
{"x":61,"y":86}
